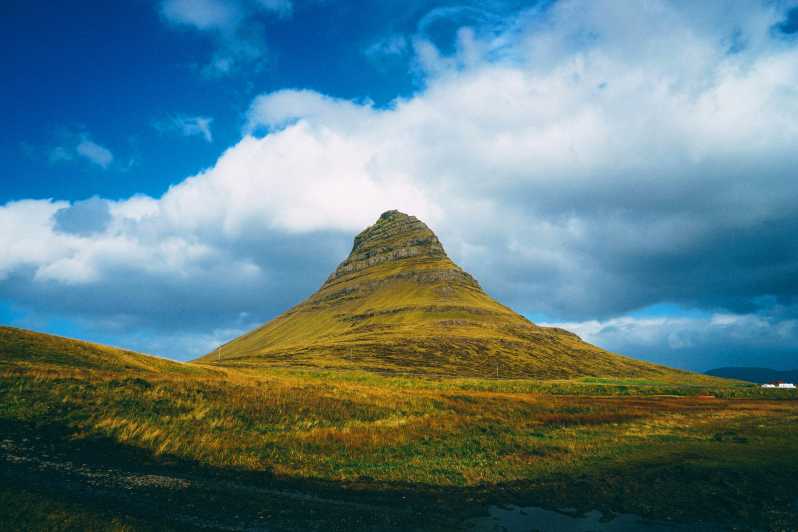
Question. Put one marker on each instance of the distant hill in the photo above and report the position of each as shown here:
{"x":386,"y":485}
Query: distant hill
{"x":39,"y":350}
{"x":399,"y":304}
{"x":758,"y":375}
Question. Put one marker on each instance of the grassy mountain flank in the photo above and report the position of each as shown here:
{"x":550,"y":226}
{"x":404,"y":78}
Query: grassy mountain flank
{"x":399,"y":304}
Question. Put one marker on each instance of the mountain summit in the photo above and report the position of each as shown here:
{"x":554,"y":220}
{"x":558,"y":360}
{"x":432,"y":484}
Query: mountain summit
{"x":399,"y":304}
{"x":394,"y":237}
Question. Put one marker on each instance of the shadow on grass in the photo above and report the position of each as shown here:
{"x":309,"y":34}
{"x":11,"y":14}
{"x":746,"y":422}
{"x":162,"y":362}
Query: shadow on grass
{"x":107,"y":478}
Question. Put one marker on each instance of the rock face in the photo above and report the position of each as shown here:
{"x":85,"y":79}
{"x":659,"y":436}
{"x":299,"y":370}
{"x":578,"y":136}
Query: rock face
{"x":399,"y":304}
{"x":395,"y":236}
{"x":396,"y":239}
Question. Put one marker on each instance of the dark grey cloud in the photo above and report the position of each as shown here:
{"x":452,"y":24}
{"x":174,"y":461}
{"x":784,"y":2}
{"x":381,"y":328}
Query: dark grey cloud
{"x":627,"y":260}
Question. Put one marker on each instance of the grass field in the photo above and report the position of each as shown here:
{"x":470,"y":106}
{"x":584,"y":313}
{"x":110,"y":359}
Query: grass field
{"x":710,"y":450}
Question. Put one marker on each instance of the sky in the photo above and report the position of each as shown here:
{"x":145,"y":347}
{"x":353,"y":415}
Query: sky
{"x":177,"y":172}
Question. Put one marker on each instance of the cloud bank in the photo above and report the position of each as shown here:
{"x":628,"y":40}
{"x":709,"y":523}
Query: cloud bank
{"x":583,"y":161}
{"x":712,"y":340}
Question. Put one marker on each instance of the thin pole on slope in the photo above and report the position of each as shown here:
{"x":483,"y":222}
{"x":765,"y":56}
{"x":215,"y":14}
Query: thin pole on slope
{"x":497,"y":370}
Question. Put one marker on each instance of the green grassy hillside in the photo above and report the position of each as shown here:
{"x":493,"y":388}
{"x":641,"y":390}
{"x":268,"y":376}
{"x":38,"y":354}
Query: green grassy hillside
{"x":399,"y":304}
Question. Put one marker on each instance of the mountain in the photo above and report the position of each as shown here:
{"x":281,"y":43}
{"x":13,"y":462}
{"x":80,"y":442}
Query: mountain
{"x":399,"y":304}
{"x":759,"y":375}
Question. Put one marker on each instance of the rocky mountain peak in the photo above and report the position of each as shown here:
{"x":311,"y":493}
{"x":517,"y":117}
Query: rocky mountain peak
{"x":394,"y":230}
{"x":393,"y":237}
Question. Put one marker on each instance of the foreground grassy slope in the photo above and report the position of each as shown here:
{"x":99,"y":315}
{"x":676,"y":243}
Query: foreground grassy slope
{"x":716,"y":450}
{"x":399,"y":304}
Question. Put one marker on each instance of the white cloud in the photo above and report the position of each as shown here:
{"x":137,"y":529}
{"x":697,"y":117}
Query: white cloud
{"x":187,"y":126}
{"x":302,"y":179}
{"x":93,"y":152}
{"x":137,"y":236}
{"x":391,"y":45}
{"x":27,"y":238}
{"x":74,"y":146}
{"x":233,"y":25}
{"x":651,"y":332}
{"x":200,"y":14}
{"x":569,"y":162}
{"x":281,"y":108}
{"x":60,"y":153}
{"x":198,"y":125}
{"x":699,"y":343}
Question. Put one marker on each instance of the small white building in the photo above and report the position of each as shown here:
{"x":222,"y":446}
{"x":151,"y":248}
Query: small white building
{"x":781,"y":385}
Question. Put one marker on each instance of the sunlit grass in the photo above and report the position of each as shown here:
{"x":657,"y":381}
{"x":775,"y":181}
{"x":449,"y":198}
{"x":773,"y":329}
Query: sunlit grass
{"x":347,"y":425}
{"x":385,"y":430}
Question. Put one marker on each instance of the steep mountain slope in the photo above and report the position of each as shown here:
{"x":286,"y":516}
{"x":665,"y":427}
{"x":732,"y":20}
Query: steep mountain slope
{"x":398,"y":303}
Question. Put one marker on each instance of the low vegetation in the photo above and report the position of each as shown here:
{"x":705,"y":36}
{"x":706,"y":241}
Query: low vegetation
{"x":27,"y":510}
{"x":716,"y":450}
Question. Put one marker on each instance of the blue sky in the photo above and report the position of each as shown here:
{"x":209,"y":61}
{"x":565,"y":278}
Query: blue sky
{"x":179,"y":171}
{"x":112,"y":71}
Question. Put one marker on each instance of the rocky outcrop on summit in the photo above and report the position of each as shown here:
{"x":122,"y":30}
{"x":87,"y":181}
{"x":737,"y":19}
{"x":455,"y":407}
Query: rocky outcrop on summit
{"x":399,"y":304}
{"x":394,"y":237}
{"x":402,"y":240}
